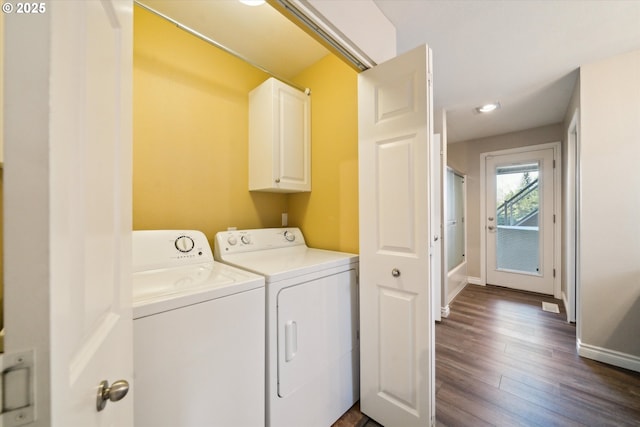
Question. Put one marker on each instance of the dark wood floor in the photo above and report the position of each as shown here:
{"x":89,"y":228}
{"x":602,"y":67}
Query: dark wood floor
{"x":503,"y":361}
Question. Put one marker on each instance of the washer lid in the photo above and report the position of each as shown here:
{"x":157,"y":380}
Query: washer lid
{"x":155,"y":291}
{"x":284,"y":263}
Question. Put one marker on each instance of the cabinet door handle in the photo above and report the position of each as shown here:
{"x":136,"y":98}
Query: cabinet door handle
{"x":277,"y":180}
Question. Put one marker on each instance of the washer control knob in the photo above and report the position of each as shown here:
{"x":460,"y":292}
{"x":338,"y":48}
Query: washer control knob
{"x":184,"y":244}
{"x":289,"y":236}
{"x":246,"y":239}
{"x":232,"y":240}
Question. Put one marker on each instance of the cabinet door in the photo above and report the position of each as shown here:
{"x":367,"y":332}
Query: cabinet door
{"x":279,"y":138}
{"x":292,"y":161}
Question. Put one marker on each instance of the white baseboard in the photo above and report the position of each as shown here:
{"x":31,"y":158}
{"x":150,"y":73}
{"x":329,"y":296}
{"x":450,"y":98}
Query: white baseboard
{"x":612,"y":357}
{"x":445,"y":311}
{"x":475,"y":281}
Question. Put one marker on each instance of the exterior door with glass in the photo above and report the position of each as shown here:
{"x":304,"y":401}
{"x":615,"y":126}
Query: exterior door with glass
{"x":520,"y":220}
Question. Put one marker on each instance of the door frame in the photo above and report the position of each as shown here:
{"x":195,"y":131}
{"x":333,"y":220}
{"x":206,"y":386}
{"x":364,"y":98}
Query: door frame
{"x":435,"y":201}
{"x":557,"y":211}
{"x":461,"y":270}
{"x":572,"y":220}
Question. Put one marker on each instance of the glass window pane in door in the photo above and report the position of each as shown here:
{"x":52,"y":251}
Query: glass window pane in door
{"x":517,"y":210}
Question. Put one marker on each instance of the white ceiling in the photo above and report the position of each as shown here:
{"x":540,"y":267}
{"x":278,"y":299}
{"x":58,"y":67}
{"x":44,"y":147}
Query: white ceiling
{"x":259,"y":33}
{"x":522,"y":53}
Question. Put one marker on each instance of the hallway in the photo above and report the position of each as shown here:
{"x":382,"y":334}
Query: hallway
{"x":501,"y":360}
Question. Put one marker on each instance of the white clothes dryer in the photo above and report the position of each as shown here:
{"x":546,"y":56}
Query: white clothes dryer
{"x":312,"y":323}
{"x":198,"y":335}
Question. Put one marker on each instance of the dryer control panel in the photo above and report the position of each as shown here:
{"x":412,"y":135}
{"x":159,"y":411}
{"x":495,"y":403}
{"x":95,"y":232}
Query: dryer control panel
{"x":259,"y":239}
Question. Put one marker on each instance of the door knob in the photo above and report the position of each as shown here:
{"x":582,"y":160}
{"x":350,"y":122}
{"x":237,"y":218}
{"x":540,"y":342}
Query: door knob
{"x":395,"y":272}
{"x":491,"y":228}
{"x":490,"y":218}
{"x":116,"y":392}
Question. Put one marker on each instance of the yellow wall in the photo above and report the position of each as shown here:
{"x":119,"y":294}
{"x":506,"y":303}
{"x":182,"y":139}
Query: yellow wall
{"x":190,"y":131}
{"x":328,"y":215}
{"x":191,"y":141}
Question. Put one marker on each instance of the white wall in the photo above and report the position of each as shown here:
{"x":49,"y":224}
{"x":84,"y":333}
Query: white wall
{"x":610,"y":210}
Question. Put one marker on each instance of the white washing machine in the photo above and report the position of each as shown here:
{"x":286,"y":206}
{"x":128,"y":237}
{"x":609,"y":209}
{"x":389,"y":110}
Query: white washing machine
{"x":312,"y":323}
{"x":199,"y":333}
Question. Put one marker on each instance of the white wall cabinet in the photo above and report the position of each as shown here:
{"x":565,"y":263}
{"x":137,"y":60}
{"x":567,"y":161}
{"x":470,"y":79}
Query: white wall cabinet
{"x":279,"y":138}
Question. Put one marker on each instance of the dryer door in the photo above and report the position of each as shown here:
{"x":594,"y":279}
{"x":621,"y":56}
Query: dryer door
{"x":317,"y":327}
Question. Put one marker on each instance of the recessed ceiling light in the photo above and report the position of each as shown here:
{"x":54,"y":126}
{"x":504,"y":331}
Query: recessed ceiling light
{"x":487,"y":108}
{"x":252,"y":2}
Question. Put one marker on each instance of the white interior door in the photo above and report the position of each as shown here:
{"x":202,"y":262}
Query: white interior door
{"x":520,"y":225}
{"x":68,"y":204}
{"x":91,"y":180}
{"x":396,"y":319}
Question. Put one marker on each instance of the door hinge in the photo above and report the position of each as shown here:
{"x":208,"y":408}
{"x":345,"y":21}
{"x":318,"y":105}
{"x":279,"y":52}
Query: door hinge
{"x":554,"y":164}
{"x":554,"y":273}
{"x":554,"y":218}
{"x":17,"y":405}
